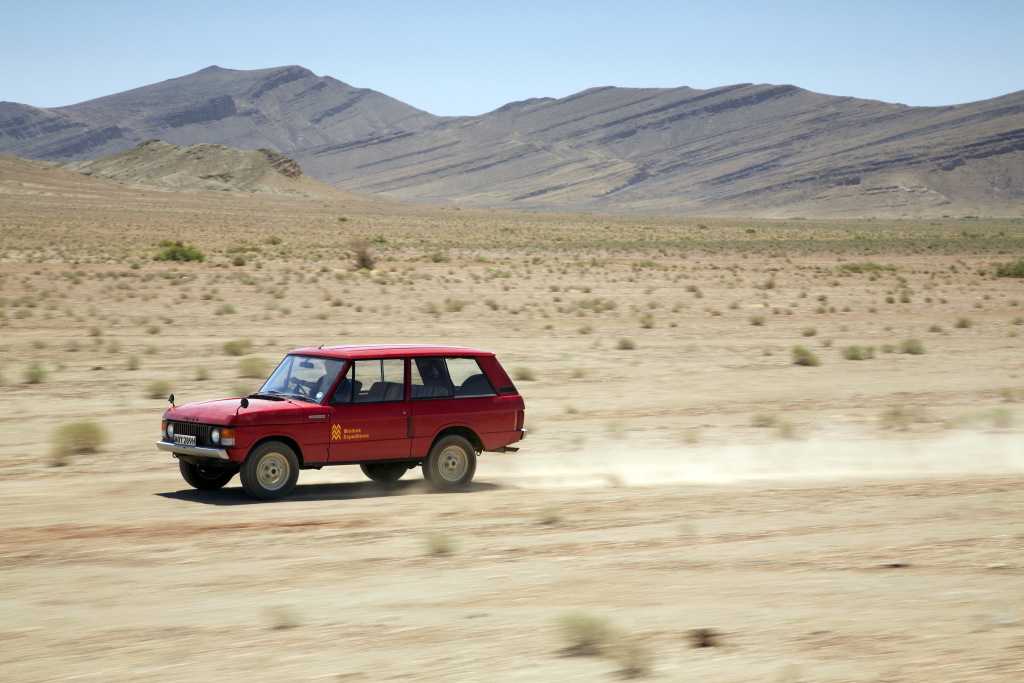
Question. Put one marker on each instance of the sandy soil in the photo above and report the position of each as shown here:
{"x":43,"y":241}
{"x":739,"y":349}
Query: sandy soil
{"x":855,"y":521}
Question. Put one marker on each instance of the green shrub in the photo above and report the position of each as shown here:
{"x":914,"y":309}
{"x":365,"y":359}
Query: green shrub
{"x":869,"y":267}
{"x":177,"y":251}
{"x":75,"y":438}
{"x":625,"y":344}
{"x":1011,"y":269}
{"x":253,"y":366}
{"x":963,"y":323}
{"x":35,"y":373}
{"x":803,"y":356}
{"x":858,"y":352}
{"x":912,"y":346}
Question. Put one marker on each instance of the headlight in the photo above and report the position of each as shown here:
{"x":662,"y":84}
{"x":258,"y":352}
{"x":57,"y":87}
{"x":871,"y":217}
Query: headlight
{"x":215,"y":436}
{"x":170,"y":431}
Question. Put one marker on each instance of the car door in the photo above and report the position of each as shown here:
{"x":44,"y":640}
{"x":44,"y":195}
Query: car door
{"x":369,"y":412}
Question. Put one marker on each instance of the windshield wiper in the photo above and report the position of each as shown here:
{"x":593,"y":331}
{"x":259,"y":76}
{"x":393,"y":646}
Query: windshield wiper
{"x":267,"y":395}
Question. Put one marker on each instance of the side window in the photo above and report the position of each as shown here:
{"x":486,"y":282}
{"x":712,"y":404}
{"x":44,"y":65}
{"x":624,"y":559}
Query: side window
{"x":430,"y":379}
{"x":468,"y":378}
{"x":346,"y":388}
{"x":377,"y":381}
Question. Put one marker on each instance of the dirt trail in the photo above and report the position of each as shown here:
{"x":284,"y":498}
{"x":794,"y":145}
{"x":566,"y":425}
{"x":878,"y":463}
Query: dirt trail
{"x":131,"y":577}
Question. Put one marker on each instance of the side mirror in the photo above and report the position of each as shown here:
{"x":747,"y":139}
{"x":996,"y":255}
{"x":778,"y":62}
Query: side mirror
{"x":245,"y":402}
{"x":170,"y":399}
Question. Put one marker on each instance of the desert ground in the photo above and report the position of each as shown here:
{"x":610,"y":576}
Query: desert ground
{"x":685,"y":483}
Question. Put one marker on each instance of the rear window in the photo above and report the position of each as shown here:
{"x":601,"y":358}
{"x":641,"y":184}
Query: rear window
{"x":435,"y":377}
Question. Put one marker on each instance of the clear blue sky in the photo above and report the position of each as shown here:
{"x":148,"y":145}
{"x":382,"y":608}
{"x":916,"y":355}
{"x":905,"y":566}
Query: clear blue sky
{"x":465,"y":58}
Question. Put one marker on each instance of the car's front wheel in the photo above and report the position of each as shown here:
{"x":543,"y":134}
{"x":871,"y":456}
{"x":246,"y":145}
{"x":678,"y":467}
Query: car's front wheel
{"x":451,"y":463}
{"x":385,"y":472}
{"x":205,"y":478}
{"x":270,"y":471}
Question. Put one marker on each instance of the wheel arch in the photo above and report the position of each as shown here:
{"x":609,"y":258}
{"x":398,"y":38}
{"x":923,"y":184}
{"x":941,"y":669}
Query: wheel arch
{"x":463,"y":431}
{"x":286,"y":440}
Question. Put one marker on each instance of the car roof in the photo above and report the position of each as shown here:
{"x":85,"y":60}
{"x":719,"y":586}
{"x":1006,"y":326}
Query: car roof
{"x":388,"y":351}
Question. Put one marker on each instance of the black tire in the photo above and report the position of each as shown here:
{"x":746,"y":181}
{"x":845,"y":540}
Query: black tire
{"x":270,"y":471}
{"x":451,"y":464}
{"x":384,"y":472}
{"x":205,"y":478}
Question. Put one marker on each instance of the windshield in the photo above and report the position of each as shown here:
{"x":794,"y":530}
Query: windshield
{"x":307,"y":378}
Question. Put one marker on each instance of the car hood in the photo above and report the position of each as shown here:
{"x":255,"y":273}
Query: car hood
{"x":229,"y":412}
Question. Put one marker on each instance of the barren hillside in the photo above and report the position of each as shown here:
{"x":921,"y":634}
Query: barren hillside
{"x":739,"y":150}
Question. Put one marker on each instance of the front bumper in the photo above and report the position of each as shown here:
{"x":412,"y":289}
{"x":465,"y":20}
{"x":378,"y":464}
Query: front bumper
{"x":198,"y":451}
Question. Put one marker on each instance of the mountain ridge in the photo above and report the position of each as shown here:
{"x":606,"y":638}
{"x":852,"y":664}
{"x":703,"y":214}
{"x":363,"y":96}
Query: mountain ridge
{"x":742,"y":149}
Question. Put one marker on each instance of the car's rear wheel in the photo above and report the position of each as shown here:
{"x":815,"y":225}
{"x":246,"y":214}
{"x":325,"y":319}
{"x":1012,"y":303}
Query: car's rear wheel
{"x":205,"y":478}
{"x":386,"y":472}
{"x":270,"y":471}
{"x":451,"y":463}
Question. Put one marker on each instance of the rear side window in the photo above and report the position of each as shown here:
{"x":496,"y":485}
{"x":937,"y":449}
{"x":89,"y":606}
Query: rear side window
{"x":448,"y":377}
{"x":468,"y":378}
{"x":372,"y":381}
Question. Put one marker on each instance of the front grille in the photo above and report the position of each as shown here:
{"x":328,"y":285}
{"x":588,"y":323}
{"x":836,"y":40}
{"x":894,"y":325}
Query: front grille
{"x":201,"y":432}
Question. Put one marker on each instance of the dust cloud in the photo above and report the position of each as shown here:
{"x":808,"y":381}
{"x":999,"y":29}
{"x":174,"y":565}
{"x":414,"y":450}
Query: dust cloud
{"x":959,"y":454}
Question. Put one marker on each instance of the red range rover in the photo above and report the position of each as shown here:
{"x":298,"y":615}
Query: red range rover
{"x":385,"y":408}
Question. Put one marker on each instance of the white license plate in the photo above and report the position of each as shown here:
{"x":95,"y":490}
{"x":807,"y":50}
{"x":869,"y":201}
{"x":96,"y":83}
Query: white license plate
{"x":185,"y":439}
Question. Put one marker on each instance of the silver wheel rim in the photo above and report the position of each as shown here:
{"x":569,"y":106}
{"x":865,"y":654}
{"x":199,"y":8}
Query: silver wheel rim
{"x":272,"y":472}
{"x":452,"y":463}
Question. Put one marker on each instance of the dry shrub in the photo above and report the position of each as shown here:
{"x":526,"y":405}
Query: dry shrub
{"x":584,"y":634}
{"x":524,"y":374}
{"x":253,"y":366}
{"x":76,"y":438}
{"x":236,"y":347}
{"x":440,"y":544}
{"x":361,"y":254}
{"x":632,"y":655}
{"x":158,"y":388}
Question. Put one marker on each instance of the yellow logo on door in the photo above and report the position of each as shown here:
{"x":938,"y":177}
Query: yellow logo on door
{"x":335,"y":432}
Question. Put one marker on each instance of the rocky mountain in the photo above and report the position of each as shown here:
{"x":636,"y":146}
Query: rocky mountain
{"x":283,"y":109}
{"x":207,"y":167}
{"x":761,"y":150}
